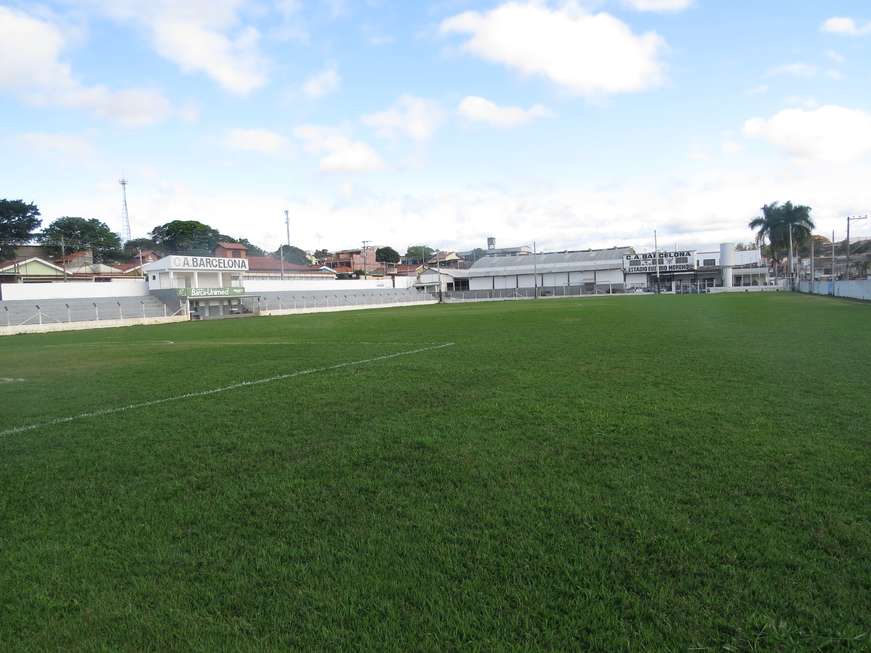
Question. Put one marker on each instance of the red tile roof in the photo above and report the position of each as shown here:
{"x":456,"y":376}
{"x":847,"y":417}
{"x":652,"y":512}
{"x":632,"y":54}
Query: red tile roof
{"x":272,"y":264}
{"x":233,"y":246}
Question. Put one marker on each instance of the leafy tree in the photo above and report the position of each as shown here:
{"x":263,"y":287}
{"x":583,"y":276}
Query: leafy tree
{"x":185,"y":237}
{"x":321,"y":254}
{"x":386,"y":255}
{"x":292,"y":255}
{"x":774,"y":226}
{"x":18,"y":221}
{"x":132,"y":247}
{"x":79,"y":234}
{"x":253,"y":250}
{"x":419,"y":253}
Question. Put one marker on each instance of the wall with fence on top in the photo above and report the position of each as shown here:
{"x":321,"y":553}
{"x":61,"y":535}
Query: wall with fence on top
{"x":21,"y":313}
{"x":858,"y":289}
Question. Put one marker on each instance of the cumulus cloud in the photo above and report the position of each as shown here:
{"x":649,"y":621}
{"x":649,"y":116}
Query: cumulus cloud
{"x":588,"y":54}
{"x":483,"y":110}
{"x":793,"y":70}
{"x":322,"y":83}
{"x":829,"y":133}
{"x":31,"y":67}
{"x":659,"y":5}
{"x":199,"y":36}
{"x":263,"y":141}
{"x":74,"y":147}
{"x":338,"y":152}
{"x":846,"y":26}
{"x":413,"y":117}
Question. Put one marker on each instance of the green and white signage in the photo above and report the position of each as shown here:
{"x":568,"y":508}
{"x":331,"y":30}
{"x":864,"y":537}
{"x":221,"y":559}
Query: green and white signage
{"x":192,"y":293}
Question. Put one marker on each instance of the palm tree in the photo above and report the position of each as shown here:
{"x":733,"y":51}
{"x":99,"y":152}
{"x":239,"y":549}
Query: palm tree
{"x":774,"y":225}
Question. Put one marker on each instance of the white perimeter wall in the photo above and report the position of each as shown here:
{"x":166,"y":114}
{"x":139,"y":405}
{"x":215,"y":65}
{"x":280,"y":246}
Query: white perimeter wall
{"x":327,"y":285}
{"x":851,"y":289}
{"x":74,"y":289}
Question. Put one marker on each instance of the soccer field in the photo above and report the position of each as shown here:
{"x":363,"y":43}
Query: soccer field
{"x":618,"y":473}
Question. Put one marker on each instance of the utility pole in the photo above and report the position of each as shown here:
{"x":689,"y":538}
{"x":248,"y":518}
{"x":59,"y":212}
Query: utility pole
{"x":656,"y":260}
{"x":791,"y":268}
{"x":287,"y":224}
{"x":852,"y":218}
{"x":535,"y":270}
{"x":365,"y":266}
{"x":833,"y":262}
{"x":811,"y":284}
{"x":140,"y":260}
{"x":63,"y":256}
{"x":126,"y":232}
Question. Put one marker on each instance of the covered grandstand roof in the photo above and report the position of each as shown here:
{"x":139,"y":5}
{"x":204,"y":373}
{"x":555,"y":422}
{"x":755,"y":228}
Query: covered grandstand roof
{"x":593,"y":259}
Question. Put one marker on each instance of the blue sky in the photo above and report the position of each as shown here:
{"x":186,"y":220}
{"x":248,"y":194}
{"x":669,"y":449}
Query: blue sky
{"x":575,"y":124}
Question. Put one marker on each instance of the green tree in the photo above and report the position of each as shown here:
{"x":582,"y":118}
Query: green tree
{"x":292,"y":255}
{"x":18,"y":222}
{"x":321,"y":254}
{"x":419,"y":253}
{"x":185,"y":237}
{"x":132,"y":247}
{"x":77,"y":234}
{"x":774,"y":224}
{"x":386,"y":255}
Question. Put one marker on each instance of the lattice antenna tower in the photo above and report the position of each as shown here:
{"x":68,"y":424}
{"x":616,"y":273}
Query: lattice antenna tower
{"x":126,"y":232}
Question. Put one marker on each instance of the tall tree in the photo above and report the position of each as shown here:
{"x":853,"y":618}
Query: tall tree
{"x":292,"y":254}
{"x":186,"y":237}
{"x":321,"y":254}
{"x":18,"y":222}
{"x":774,"y":226}
{"x":77,"y":234}
{"x":386,"y":255}
{"x":419,"y":253}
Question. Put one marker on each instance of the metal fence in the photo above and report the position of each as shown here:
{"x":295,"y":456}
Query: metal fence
{"x":288,"y":301}
{"x":26,"y":312}
{"x":509,"y":294}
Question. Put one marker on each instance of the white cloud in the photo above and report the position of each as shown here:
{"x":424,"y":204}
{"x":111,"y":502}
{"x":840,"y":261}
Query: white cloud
{"x":659,"y":5}
{"x":732,"y":147}
{"x":846,"y":26}
{"x":202,"y":36}
{"x":835,"y":57}
{"x":255,"y":140}
{"x":338,"y":152}
{"x":794,"y":70}
{"x":483,"y":110}
{"x":413,"y":117}
{"x":322,"y":83}
{"x":73,"y":146}
{"x":589,"y":54}
{"x":31,"y":67}
{"x":829,"y":133}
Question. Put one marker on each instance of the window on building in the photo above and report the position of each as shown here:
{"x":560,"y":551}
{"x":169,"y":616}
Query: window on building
{"x":237,"y":253}
{"x":709,"y":262}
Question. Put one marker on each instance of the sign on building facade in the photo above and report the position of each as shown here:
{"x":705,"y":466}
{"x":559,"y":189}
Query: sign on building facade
{"x":651,"y":262}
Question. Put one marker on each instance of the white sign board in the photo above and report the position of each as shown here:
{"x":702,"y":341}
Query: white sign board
{"x":680,"y":261}
{"x":208,"y":264}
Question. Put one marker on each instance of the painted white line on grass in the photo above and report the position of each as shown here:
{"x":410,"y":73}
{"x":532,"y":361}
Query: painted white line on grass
{"x":214,"y":391}
{"x":10,"y":379}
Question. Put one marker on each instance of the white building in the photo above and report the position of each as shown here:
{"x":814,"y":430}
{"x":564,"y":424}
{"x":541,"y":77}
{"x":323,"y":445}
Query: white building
{"x":600,"y":270}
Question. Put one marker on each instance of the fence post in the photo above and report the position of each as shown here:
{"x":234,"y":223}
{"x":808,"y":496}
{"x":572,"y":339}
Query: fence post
{"x":96,"y":312}
{"x":69,"y":317}
{"x":120,"y":311}
{"x":39,"y":313}
{"x":6,"y":308}
{"x":164,"y":310}
{"x":279,"y":302}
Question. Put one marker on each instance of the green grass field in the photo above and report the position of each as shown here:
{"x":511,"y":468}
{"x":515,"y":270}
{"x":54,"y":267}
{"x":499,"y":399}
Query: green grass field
{"x":644,"y":473}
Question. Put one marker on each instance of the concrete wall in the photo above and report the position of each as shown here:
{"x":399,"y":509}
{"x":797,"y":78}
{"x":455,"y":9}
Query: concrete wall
{"x":74,"y":290}
{"x":339,"y":309}
{"x":851,"y":289}
{"x":327,"y":285}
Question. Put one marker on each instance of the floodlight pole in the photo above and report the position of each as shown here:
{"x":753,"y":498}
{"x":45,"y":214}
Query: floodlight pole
{"x":656,"y":260}
{"x":791,"y":266}
{"x":852,"y":218}
{"x":833,"y":262}
{"x":811,"y":285}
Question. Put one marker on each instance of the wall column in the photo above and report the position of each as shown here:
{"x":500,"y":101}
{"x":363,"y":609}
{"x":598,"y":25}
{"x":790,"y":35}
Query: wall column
{"x":196,"y":279}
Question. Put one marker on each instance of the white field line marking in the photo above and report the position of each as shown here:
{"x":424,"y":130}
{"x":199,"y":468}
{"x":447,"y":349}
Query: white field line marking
{"x":214,"y":391}
{"x":10,"y":379}
{"x":237,"y":343}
